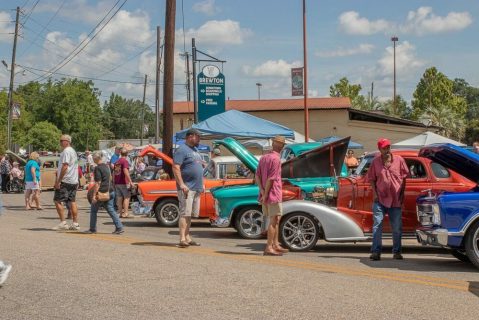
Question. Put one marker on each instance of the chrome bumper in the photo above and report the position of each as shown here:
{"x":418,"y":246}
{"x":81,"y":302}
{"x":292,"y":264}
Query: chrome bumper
{"x":435,"y":237}
{"x":220,"y":222}
{"x":140,"y":208}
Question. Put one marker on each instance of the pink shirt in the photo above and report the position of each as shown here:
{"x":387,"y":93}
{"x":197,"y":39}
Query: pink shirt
{"x":388,"y":180}
{"x":269,"y":167}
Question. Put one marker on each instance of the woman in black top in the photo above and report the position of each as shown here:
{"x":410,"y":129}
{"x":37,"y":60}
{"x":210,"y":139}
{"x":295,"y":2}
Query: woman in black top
{"x":102,"y":177}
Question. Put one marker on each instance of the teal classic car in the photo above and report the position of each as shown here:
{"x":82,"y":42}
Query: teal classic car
{"x":309,"y":176}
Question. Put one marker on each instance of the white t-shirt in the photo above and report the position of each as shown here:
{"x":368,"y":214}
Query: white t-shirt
{"x":69,"y":156}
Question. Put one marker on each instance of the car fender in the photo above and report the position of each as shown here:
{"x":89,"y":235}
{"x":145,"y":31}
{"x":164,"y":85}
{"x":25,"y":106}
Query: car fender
{"x":336,"y":225}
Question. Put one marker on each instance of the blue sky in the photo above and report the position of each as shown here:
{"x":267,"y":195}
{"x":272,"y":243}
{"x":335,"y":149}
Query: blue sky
{"x":260,"y":39}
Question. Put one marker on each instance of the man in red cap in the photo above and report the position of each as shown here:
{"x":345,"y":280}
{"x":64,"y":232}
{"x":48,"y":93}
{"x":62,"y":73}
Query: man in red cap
{"x":387,"y":176}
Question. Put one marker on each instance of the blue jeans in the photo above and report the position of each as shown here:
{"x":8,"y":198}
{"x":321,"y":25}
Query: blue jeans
{"x":395,"y":219}
{"x":109,"y":208}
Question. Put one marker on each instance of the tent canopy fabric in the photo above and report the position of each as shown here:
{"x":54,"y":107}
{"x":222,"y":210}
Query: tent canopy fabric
{"x":425,"y":139}
{"x":266,"y":143}
{"x":239,"y":125}
{"x":351,"y":145}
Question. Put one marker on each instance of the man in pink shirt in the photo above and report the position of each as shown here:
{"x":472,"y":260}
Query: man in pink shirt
{"x":268,"y":178}
{"x":387,"y":176}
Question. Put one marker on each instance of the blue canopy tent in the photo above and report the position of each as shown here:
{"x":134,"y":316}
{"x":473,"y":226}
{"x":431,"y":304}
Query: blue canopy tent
{"x":351,"y":145}
{"x":239,"y":125}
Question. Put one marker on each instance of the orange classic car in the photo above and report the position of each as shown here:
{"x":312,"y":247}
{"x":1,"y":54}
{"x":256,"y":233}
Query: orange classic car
{"x":159,"y":198}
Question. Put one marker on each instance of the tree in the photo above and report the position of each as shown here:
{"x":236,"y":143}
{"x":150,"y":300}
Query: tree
{"x":434,"y":99}
{"x":402,"y":110}
{"x":44,"y":136}
{"x":123,"y":117}
{"x":72,"y":105}
{"x":462,"y":89}
{"x":344,"y":89}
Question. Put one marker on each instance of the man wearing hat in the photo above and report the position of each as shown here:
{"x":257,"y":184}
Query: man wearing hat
{"x":188,"y":171}
{"x":387,"y":176}
{"x":268,"y":179}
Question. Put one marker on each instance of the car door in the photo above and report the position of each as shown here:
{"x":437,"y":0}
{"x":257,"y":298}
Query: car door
{"x":48,"y":170}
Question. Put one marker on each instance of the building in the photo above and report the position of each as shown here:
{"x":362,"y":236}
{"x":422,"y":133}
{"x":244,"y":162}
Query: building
{"x":332,"y":116}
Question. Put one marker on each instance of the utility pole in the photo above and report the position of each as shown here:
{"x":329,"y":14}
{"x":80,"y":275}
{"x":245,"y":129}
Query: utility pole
{"x":143,"y":111}
{"x":12,"y":79}
{"x":305,"y":93}
{"x":394,"y":40}
{"x":258,"y":84}
{"x":168,"y":80}
{"x":188,"y":83}
{"x":157,"y":85}
{"x":195,"y":101}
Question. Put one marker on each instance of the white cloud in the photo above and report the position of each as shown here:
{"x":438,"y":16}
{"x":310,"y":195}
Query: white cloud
{"x":272,"y":68}
{"x":6,"y":27}
{"x":218,"y":32}
{"x":420,"y":22}
{"x":342,"y":52}
{"x":351,"y":23}
{"x":406,"y":60}
{"x":424,"y":21}
{"x":78,"y":10}
{"x":207,"y":7}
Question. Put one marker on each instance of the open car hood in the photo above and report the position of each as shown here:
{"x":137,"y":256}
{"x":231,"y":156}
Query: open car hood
{"x":236,"y":148}
{"x":324,"y":161}
{"x":462,"y":161}
{"x":150,"y":150}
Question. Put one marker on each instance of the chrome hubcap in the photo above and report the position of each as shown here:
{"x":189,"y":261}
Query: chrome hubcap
{"x":251,"y":222}
{"x":299,"y":232}
{"x":475,"y":242}
{"x":169,"y":212}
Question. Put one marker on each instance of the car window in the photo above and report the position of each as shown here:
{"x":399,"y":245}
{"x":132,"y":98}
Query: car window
{"x":285,"y":153}
{"x":416,"y":169}
{"x":147,"y":174}
{"x":439,"y":171}
{"x":364,"y":165}
{"x":48,"y":164}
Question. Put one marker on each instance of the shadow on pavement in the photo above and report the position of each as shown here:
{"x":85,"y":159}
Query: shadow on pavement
{"x":474,"y":287}
{"x":237,"y":253}
{"x":258,"y":247}
{"x":210,"y":234}
{"x":413,"y":264}
{"x":38,"y":229}
{"x":48,"y":218}
{"x":159,"y":244}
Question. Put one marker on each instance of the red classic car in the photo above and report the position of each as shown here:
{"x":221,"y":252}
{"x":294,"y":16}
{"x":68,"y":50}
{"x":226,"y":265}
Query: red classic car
{"x":350,"y":219}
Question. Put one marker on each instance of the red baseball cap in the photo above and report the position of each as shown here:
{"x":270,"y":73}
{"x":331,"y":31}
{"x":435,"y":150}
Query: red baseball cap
{"x":383,"y":143}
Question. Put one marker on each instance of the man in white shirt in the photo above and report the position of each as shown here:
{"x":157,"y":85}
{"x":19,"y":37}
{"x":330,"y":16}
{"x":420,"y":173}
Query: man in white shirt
{"x":66,"y":184}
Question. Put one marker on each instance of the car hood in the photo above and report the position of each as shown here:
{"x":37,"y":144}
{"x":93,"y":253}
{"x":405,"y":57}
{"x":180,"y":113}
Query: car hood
{"x":324,"y":161}
{"x":462,"y":161}
{"x":150,"y":150}
{"x":236,"y":148}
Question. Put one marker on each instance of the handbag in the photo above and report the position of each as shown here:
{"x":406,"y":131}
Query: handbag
{"x":104,"y":196}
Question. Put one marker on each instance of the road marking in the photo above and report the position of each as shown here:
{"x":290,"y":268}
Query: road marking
{"x":281,"y":261}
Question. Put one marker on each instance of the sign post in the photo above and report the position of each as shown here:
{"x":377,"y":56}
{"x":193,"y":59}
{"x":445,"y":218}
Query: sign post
{"x":211,"y":92}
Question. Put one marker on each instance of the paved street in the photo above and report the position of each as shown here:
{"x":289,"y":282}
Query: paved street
{"x":143,"y":275}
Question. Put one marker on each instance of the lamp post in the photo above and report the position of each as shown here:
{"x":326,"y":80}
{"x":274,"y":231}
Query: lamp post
{"x":258,"y":84}
{"x":394,"y":39}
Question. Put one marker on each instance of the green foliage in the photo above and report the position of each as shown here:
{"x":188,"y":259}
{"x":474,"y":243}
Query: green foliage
{"x":44,"y":136}
{"x":344,"y":89}
{"x":402,"y":110}
{"x":462,"y":89}
{"x":123,"y":118}
{"x":435,"y":100}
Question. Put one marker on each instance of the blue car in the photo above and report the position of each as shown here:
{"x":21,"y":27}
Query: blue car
{"x":451,"y":219}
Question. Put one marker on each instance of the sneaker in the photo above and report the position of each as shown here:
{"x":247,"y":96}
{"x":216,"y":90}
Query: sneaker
{"x":118,"y":231}
{"x":62,"y":226}
{"x":74,"y":226}
{"x":375,"y":256}
{"x":4,"y":273}
{"x":398,"y":256}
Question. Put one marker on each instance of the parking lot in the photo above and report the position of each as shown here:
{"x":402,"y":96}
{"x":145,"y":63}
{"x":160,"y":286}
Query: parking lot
{"x":143,"y":275}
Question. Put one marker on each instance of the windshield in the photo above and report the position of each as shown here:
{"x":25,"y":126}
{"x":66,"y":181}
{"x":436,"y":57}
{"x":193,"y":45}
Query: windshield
{"x":147,"y":174}
{"x":363,"y":167}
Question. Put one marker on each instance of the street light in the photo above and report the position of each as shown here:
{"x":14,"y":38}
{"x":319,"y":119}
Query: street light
{"x":394,"y":39}
{"x":259,"y":90}
{"x":10,"y":101}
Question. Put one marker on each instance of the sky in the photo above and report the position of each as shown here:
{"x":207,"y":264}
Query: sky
{"x":261,"y":40}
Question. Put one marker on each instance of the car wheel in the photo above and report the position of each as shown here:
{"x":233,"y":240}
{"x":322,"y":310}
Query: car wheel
{"x":461,"y":255}
{"x":167,"y":213}
{"x":249,"y":222}
{"x":299,"y":232}
{"x":472,"y":244}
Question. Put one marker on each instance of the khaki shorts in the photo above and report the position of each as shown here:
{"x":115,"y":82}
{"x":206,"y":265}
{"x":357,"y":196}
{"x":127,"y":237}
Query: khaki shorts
{"x":272,"y":209}
{"x":122,"y":191}
{"x":189,"y":206}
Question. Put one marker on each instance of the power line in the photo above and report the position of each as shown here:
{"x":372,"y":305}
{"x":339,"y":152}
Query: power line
{"x":74,"y":52}
{"x":30,"y":13}
{"x":44,"y":27}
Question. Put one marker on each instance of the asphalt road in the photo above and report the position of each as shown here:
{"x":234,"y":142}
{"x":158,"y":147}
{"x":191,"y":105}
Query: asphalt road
{"x":143,"y":275}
